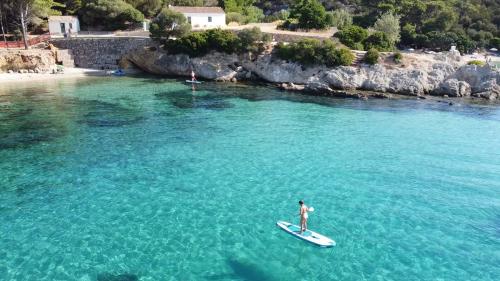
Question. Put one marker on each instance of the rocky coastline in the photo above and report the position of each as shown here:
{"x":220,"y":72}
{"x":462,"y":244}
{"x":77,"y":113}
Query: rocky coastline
{"x":442,"y":74}
{"x":418,"y":75}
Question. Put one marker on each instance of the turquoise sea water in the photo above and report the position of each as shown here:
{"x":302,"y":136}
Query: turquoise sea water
{"x":143,"y":179}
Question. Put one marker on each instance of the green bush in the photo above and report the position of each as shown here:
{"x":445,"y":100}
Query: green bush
{"x":111,"y":14}
{"x":289,"y":24}
{"x":495,"y":43}
{"x":315,"y":52}
{"x":200,"y":43}
{"x":194,"y":44}
{"x":352,"y":36}
{"x":222,"y":40}
{"x":379,"y":41}
{"x":283,"y":14}
{"x":444,"y":40}
{"x":169,"y":24}
{"x":251,"y":39}
{"x":408,"y":34}
{"x":280,"y":15}
{"x":341,"y":19}
{"x":371,"y":56}
{"x":397,"y":57}
{"x":476,"y":62}
{"x":235,"y":17}
{"x":310,"y":14}
{"x":253,"y":14}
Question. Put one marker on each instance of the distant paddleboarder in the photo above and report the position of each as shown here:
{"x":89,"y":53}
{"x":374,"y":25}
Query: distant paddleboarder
{"x":303,"y":216}
{"x":193,"y":77}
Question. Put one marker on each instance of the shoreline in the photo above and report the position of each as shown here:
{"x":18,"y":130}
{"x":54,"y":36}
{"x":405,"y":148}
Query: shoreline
{"x":75,"y":73}
{"x":37,"y":77}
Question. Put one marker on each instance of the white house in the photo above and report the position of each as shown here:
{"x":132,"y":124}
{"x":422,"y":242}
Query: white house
{"x":60,"y":25}
{"x":202,"y":17}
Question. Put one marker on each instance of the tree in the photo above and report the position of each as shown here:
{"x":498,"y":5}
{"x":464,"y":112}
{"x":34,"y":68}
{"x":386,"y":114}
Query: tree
{"x":379,"y":41}
{"x":73,"y":6}
{"x":237,"y":6}
{"x":169,"y":24}
{"x":388,"y":23}
{"x":310,"y":14}
{"x":24,"y":13}
{"x":149,"y":7}
{"x":341,"y":19}
{"x":253,"y":14}
{"x":250,"y":38}
{"x":112,"y":14}
{"x":352,"y":36}
{"x":408,"y":34}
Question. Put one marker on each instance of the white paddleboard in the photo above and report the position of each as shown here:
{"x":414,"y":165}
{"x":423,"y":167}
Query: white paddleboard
{"x":193,"y":82}
{"x":308,"y":235}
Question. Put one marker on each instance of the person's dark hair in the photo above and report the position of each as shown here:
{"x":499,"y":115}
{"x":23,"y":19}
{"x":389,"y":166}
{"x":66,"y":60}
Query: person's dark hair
{"x":301,"y":202}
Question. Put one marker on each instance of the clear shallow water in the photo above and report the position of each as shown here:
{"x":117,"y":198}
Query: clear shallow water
{"x":143,"y":177}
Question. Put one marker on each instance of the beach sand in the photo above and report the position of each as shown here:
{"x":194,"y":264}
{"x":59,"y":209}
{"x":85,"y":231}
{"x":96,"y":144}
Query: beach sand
{"x":31,"y":77}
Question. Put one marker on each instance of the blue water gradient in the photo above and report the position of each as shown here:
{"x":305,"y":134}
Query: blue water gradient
{"x":143,"y":179}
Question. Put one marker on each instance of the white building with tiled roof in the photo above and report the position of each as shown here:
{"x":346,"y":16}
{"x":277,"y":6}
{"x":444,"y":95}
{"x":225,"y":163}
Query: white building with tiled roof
{"x":202,"y":17}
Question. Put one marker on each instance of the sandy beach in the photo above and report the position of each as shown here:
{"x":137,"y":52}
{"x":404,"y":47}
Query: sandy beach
{"x":31,"y":77}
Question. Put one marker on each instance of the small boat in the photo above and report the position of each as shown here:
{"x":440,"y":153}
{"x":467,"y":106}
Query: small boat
{"x":118,"y":72}
{"x":193,"y":82}
{"x":308,"y":235}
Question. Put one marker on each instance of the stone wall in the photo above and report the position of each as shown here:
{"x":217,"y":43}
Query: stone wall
{"x":100,"y":53}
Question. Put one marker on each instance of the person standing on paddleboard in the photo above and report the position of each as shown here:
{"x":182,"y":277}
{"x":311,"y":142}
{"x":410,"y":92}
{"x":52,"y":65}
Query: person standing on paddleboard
{"x":193,"y":78}
{"x":303,"y":216}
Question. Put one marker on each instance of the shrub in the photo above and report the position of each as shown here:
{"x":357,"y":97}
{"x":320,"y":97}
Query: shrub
{"x":289,"y":24}
{"x":235,"y":17}
{"x":371,"y":56}
{"x":388,"y":24}
{"x":169,"y":24}
{"x":222,"y":40}
{"x":352,"y":36}
{"x":345,"y":57}
{"x":444,"y":40}
{"x":476,"y":62}
{"x":283,"y":14}
{"x":251,"y":39}
{"x":408,"y":34}
{"x":270,"y":18}
{"x":379,"y":41}
{"x":253,"y":14}
{"x":312,"y":51}
{"x":341,"y":19}
{"x":200,"y":43}
{"x":194,"y":44}
{"x":112,"y":14}
{"x":397,"y":57}
{"x":495,"y":42}
{"x":310,"y":14}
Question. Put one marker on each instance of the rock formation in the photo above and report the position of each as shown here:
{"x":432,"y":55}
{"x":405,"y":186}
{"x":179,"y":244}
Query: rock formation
{"x":441,"y":75}
{"x":26,"y":61}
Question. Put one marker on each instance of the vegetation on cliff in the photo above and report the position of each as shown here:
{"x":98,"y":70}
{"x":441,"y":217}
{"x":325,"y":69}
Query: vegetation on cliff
{"x":200,"y":43}
{"x":434,"y":24}
{"x":315,"y":52}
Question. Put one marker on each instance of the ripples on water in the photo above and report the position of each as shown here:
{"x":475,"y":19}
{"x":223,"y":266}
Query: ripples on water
{"x":144,"y":179}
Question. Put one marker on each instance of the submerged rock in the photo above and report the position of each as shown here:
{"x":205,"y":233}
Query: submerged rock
{"x":119,"y":277}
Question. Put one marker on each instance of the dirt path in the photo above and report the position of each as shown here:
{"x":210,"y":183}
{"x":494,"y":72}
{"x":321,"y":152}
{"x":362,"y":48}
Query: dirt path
{"x":271,"y":28}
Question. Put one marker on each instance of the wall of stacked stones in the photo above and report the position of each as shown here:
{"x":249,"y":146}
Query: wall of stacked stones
{"x":100,"y":53}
